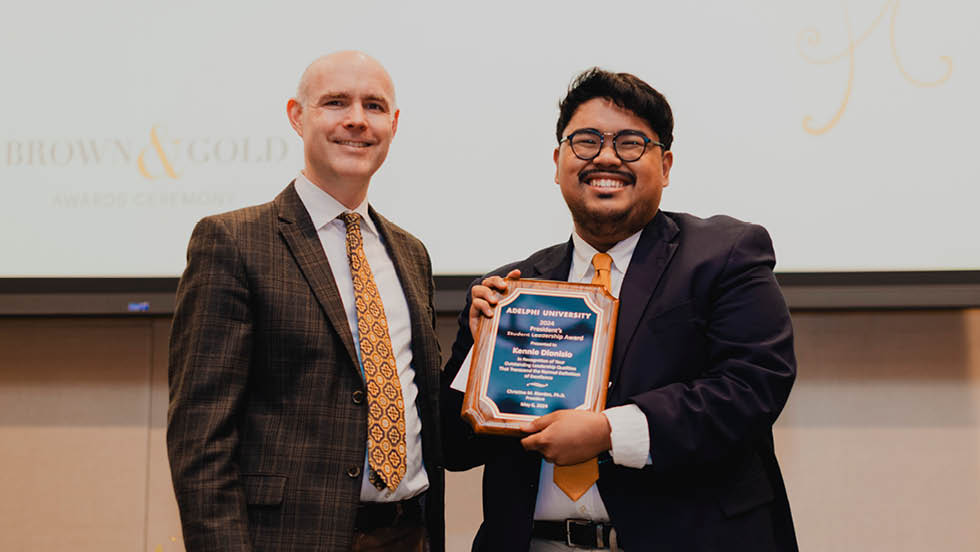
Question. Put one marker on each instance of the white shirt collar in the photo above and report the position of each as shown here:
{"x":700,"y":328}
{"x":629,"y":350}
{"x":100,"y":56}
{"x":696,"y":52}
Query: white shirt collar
{"x":582,"y":253}
{"x":324,"y":208}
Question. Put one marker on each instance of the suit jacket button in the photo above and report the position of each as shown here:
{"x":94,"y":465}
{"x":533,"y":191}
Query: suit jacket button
{"x":357,"y":396}
{"x":353,"y":472}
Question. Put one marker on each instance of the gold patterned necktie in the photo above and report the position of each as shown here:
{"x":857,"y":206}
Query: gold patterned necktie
{"x":576,"y":479}
{"x":386,"y":407}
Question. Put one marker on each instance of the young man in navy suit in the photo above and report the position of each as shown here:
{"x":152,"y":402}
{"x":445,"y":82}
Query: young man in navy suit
{"x":702,"y":362}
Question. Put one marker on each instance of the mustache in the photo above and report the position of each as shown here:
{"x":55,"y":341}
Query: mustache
{"x":586,"y":173}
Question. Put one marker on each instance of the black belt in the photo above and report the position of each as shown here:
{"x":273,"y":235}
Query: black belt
{"x":374,"y":515}
{"x":580,"y":533}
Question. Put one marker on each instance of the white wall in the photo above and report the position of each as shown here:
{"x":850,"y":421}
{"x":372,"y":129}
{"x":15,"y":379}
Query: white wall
{"x":879,"y":443}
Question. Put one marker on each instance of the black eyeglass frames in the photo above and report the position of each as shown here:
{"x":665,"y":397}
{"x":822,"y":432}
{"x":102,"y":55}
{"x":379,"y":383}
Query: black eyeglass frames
{"x":629,"y":145}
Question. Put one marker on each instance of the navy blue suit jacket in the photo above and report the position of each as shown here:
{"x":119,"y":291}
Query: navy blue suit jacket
{"x":704,"y":347}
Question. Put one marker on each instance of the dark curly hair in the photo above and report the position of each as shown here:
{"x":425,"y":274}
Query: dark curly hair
{"x":625,"y":90}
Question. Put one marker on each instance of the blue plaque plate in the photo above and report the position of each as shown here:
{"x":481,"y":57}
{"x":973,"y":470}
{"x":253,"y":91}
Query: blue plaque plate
{"x":547,"y":348}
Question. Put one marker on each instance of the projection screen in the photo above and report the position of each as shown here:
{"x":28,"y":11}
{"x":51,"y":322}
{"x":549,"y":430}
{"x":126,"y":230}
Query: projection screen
{"x":847,"y":129}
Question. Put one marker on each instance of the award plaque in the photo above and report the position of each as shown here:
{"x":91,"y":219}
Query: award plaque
{"x":548,"y":347}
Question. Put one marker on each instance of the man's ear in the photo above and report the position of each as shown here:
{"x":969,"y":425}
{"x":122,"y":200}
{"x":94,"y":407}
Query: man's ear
{"x":294,"y":110}
{"x":394,"y":123}
{"x":667,"y":161}
{"x":555,"y":156}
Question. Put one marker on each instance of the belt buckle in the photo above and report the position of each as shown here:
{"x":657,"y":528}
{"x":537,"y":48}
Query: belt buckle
{"x":599,"y":542}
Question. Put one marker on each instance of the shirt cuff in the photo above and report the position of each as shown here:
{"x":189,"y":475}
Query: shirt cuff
{"x":463,"y":376}
{"x":630,"y":436}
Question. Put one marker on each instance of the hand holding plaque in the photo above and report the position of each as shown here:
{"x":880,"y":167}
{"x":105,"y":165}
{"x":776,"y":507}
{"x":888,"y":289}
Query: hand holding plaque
{"x":547,"y":347}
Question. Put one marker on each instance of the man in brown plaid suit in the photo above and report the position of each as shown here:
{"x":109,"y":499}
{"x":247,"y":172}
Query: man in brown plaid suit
{"x":278,"y":436}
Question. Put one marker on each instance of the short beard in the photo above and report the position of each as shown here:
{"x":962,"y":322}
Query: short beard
{"x":609,"y":227}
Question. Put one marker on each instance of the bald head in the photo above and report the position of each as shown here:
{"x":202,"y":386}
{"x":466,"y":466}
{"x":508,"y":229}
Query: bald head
{"x":345,"y":112}
{"x":323,"y":66}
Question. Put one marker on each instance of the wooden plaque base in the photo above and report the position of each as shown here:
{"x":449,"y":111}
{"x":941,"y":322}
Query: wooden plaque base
{"x":548,"y":347}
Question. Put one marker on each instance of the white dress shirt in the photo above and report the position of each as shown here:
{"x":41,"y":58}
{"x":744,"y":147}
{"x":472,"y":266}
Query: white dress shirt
{"x":629,"y":429}
{"x":324,"y":210}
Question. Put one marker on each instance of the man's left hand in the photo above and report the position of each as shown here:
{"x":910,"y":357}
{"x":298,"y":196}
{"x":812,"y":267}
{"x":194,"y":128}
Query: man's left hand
{"x":567,"y":437}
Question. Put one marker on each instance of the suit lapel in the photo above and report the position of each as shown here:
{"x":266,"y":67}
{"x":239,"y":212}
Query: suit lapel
{"x":404,"y":267}
{"x":411,"y":279}
{"x":650,"y":259}
{"x":301,"y":238}
{"x":555,"y":265}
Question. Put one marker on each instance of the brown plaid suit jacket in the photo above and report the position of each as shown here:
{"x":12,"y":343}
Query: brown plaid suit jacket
{"x":265,"y":439}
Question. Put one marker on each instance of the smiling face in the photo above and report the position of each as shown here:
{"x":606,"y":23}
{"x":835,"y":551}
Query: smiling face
{"x":610,"y":200}
{"x":345,"y":113}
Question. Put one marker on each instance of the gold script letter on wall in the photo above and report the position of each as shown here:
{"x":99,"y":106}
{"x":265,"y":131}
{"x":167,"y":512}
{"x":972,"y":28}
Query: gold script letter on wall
{"x":810,"y":38}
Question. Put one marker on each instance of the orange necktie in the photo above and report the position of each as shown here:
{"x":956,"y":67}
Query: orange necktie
{"x":386,"y":407}
{"x":576,"y":479}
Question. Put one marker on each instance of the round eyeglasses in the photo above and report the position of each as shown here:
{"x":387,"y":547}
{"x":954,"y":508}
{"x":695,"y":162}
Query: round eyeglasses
{"x":629,"y":145}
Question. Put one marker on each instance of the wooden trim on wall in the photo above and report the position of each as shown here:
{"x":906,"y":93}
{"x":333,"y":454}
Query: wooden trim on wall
{"x":803,"y":290}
